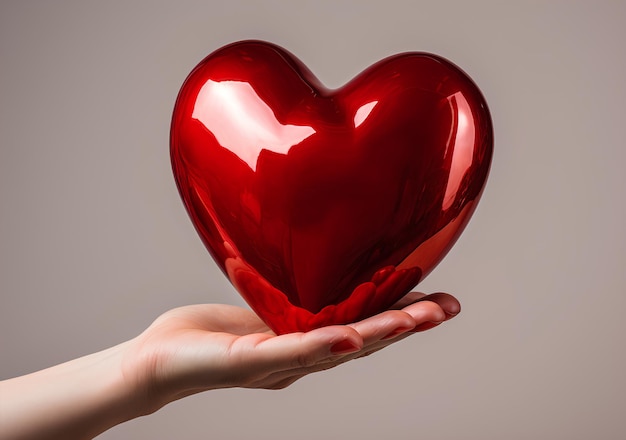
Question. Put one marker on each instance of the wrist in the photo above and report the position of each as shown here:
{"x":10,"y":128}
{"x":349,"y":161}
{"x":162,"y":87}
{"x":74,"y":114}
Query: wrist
{"x":151,"y":367}
{"x":77,"y":399}
{"x":140,"y":378}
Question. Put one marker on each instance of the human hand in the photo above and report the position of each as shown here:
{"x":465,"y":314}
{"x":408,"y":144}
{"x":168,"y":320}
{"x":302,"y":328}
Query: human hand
{"x":201,"y":347}
{"x":189,"y":350}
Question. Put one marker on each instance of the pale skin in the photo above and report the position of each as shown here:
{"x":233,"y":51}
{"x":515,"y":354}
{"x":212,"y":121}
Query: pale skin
{"x":189,"y":350}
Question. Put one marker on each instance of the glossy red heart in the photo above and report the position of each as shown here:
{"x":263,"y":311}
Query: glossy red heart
{"x":327,"y":206}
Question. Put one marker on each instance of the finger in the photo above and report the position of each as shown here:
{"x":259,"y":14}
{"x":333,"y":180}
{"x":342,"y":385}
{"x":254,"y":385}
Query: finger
{"x":370,"y":330}
{"x":281,"y":379}
{"x":425,"y":315}
{"x":383,"y":329}
{"x":377,"y":332}
{"x":425,"y":310}
{"x":384,"y":325}
{"x":298,"y":354}
{"x":393,"y":323}
{"x":301,"y":350}
{"x":448,"y":303}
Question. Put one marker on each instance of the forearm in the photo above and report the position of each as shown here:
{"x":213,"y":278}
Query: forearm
{"x":75,"y":400}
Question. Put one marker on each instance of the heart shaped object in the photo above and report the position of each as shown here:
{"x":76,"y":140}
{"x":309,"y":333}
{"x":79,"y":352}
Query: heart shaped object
{"x":327,"y":206}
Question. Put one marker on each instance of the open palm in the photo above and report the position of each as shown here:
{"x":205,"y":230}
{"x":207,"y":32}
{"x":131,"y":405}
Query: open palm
{"x":196,"y":348}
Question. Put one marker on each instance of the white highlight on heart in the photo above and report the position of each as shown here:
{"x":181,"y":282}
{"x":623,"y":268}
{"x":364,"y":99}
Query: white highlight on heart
{"x":363,"y":112}
{"x":242,"y":122}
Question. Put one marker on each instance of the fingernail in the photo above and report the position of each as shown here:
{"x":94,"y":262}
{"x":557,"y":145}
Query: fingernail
{"x":452,"y":311}
{"x":397,"y":332}
{"x":344,"y":347}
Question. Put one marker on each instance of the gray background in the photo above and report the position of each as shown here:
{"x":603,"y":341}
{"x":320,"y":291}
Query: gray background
{"x":94,"y":241}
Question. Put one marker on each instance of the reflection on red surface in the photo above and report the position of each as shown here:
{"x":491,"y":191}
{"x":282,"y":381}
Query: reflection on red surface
{"x":326,"y":206}
{"x":363,"y":112}
{"x":460,"y":145}
{"x":242,"y":122}
{"x":366,"y":299}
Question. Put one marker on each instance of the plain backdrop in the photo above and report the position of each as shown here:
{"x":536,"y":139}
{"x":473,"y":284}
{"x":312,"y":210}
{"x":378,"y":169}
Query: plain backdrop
{"x":95,"y":243}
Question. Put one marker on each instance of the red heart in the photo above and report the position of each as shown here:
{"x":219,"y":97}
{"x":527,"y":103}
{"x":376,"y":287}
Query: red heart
{"x":327,"y":206}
